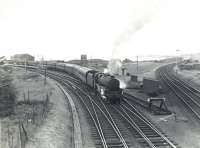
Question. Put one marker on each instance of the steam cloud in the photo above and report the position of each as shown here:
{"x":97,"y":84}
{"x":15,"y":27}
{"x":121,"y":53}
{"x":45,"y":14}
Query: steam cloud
{"x":138,"y":22}
{"x":125,"y":36}
{"x":114,"y":66}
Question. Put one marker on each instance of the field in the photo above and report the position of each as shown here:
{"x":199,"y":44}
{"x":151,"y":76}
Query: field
{"x":36,"y":110}
{"x":191,"y":76}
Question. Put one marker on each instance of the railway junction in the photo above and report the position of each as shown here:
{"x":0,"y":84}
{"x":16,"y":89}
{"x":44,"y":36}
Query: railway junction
{"x":142,"y":118}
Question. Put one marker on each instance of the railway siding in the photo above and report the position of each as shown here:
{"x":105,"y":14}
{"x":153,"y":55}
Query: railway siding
{"x":182,"y":99}
{"x":163,"y":143}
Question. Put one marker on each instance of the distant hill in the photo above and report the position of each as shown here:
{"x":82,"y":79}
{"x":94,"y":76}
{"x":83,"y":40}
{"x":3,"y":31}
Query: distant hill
{"x":97,"y":64}
{"x":99,"y":61}
{"x":75,"y":62}
{"x":195,"y":56}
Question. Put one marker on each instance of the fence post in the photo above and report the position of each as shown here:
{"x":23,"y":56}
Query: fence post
{"x":20,"y":136}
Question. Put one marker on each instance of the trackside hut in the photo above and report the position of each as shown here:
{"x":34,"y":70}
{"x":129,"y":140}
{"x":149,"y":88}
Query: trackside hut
{"x":151,"y":86}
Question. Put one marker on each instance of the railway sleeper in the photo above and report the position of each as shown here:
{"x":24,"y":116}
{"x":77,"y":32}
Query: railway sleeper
{"x":138,"y":136}
{"x":156,"y":142}
{"x":145,"y":128}
{"x":111,"y":146}
{"x":160,"y":145}
{"x":148,"y":131}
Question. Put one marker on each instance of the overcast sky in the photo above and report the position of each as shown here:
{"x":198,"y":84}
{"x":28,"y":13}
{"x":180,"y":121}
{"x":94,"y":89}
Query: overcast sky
{"x":64,"y":29}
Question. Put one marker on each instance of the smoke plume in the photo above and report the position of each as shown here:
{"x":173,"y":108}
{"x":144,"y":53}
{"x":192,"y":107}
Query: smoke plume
{"x":114,"y":66}
{"x":141,"y":17}
{"x":125,"y":36}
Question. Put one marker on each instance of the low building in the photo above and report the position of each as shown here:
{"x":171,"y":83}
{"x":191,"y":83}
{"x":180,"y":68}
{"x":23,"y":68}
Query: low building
{"x":84,"y":60}
{"x":83,"y":57}
{"x":151,"y":86}
{"x":188,"y":66}
{"x":196,"y":66}
{"x":22,"y":57}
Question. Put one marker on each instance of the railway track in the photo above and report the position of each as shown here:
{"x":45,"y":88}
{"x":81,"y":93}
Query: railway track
{"x":142,"y":129}
{"x":107,"y":121}
{"x":189,"y":95}
{"x":104,"y":130}
{"x":144,"y":104}
{"x":146,"y":134}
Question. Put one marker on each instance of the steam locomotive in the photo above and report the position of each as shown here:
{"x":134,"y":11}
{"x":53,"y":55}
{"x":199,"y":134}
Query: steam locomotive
{"x":106,"y":85}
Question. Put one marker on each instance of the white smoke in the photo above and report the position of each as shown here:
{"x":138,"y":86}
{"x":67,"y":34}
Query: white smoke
{"x":143,"y":13}
{"x":114,"y":66}
{"x":122,"y":84}
{"x":140,"y":18}
{"x":105,"y":70}
{"x":125,"y":36}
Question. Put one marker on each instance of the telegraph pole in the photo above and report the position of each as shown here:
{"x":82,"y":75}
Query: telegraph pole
{"x":177,"y":60}
{"x":45,"y":75}
{"x":137,"y":63}
{"x":42,"y":62}
{"x":25,"y":64}
{"x":45,"y":72}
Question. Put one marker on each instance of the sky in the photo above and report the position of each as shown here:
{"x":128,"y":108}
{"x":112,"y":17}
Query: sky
{"x":65,"y":29}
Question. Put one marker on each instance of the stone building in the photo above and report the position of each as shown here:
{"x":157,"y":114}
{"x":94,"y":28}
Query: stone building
{"x":23,"y":57}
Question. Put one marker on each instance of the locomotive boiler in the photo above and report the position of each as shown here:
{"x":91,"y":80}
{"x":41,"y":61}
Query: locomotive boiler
{"x":107,"y":81}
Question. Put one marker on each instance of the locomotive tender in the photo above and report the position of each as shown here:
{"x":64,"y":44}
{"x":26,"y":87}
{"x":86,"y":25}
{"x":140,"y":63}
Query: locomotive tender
{"x":104,"y":84}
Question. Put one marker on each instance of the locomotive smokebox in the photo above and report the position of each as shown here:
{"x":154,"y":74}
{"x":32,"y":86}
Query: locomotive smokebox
{"x":108,"y":81}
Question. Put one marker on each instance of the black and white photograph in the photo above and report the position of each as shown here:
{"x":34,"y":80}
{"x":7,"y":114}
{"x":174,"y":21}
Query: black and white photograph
{"x":99,"y":74}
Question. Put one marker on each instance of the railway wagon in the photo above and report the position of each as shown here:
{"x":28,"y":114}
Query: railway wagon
{"x":151,"y":86}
